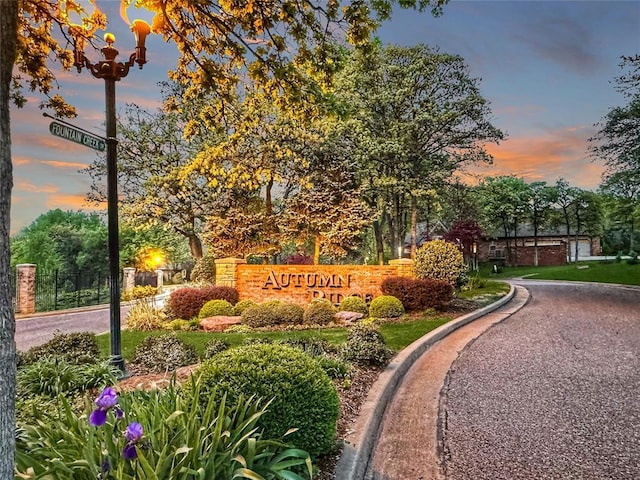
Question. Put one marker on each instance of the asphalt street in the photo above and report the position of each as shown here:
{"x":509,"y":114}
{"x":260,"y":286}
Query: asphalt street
{"x":552,"y":392}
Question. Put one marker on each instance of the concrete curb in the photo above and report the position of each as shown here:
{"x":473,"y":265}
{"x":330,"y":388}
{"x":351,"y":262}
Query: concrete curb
{"x":354,"y":460}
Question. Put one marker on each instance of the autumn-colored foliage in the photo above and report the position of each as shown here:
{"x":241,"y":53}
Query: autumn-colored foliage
{"x":187,"y":302}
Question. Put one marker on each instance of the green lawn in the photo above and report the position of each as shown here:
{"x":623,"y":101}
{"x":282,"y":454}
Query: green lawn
{"x":596,"y":271}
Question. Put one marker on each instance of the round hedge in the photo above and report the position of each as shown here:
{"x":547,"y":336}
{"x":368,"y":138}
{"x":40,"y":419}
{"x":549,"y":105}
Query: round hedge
{"x":319,"y":312}
{"x":354,"y":304}
{"x":303,"y":395}
{"x":439,"y":260}
{"x":386,"y":306}
{"x":216,"y":307}
{"x":242,"y":305}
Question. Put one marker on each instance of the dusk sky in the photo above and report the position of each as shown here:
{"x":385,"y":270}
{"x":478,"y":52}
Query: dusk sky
{"x":547,"y":67}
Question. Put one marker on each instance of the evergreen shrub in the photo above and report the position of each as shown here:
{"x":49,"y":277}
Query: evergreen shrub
{"x":365,"y":347}
{"x":272,"y":312}
{"x":215,"y":307}
{"x":78,"y":347}
{"x":319,"y":312}
{"x":440,"y":260}
{"x":354,"y":304}
{"x":386,"y":306}
{"x":302,"y":395}
{"x":163,"y":353}
{"x":242,"y":305}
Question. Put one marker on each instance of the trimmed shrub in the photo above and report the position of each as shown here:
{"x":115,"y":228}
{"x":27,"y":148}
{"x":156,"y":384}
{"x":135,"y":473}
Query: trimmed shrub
{"x":386,"y":306}
{"x":354,"y":304}
{"x":144,"y":316}
{"x":365,"y":347}
{"x":204,"y":271}
{"x":302,"y":394}
{"x":214,"y":346}
{"x":418,"y":294}
{"x":242,"y":305}
{"x":163,"y":353}
{"x":439,"y":260}
{"x":273,"y":312}
{"x":215,"y":307}
{"x":289,"y":314}
{"x":79,"y":347}
{"x":186,"y":302}
{"x":312,"y":346}
{"x":319,"y":312}
{"x":260,"y":315}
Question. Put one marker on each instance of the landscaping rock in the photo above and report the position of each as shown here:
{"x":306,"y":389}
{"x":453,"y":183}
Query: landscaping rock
{"x":348,"y":317}
{"x":219,"y":323}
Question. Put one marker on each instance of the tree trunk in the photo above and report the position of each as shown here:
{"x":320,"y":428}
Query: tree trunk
{"x":413,"y":223}
{"x":195,"y":245}
{"x":515,"y":243}
{"x":377,"y":232}
{"x":8,"y":40}
{"x":268,"y":203}
{"x":568,"y":225}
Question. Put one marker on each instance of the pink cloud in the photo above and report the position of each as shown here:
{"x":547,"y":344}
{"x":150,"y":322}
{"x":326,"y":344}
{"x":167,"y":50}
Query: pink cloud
{"x":61,"y":164}
{"x":561,"y":153}
{"x":31,"y":187}
{"x":66,"y":201}
{"x":20,"y":160}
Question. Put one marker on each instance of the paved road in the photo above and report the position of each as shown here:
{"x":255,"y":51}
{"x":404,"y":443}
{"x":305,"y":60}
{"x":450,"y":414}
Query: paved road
{"x":36,"y":330}
{"x":553,"y":392}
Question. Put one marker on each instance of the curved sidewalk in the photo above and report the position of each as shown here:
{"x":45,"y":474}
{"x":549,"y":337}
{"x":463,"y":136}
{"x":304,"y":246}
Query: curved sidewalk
{"x":380,"y":449}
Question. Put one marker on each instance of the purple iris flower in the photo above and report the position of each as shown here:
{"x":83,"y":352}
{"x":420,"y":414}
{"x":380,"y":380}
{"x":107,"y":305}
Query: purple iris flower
{"x":105,"y":401}
{"x":129,"y":452}
{"x":132,"y":434}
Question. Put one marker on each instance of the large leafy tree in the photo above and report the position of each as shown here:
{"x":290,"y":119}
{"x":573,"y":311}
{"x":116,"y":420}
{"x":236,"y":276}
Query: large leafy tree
{"x":623,"y":191}
{"x":617,"y":143}
{"x":504,"y":202}
{"x":421,"y":117}
{"x":152,"y":156}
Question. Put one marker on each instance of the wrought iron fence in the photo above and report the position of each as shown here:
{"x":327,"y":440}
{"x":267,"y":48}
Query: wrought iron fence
{"x":58,"y":291}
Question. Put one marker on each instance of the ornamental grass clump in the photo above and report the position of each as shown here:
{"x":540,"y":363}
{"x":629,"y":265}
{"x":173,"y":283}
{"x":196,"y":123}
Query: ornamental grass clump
{"x":440,"y":260}
{"x":76,"y":348}
{"x":159,"y":434}
{"x":302,"y":396}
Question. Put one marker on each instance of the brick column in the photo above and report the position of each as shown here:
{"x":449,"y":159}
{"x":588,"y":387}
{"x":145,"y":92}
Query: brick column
{"x":128,"y":278}
{"x":227,"y":271}
{"x":404,"y":266}
{"x":26,"y":288}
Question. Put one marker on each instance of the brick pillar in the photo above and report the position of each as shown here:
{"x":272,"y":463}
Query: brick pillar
{"x":26,"y":288}
{"x":128,"y":278}
{"x":160,"y":283}
{"x":404,"y":266}
{"x":227,"y":271}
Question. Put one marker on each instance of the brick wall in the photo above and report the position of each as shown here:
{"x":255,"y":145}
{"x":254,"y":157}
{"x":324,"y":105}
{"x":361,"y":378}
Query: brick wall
{"x":302,"y":283}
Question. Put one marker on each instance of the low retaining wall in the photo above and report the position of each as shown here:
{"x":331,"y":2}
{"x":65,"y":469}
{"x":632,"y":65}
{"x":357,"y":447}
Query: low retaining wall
{"x":302,"y":283}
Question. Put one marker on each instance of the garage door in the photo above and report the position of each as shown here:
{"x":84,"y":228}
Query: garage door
{"x":584,"y":248}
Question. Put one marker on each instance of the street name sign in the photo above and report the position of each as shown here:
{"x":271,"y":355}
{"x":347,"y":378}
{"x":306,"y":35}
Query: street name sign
{"x":77,"y":136}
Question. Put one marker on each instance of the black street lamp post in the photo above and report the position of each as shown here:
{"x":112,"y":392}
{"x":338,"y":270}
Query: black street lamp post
{"x":111,"y":71}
